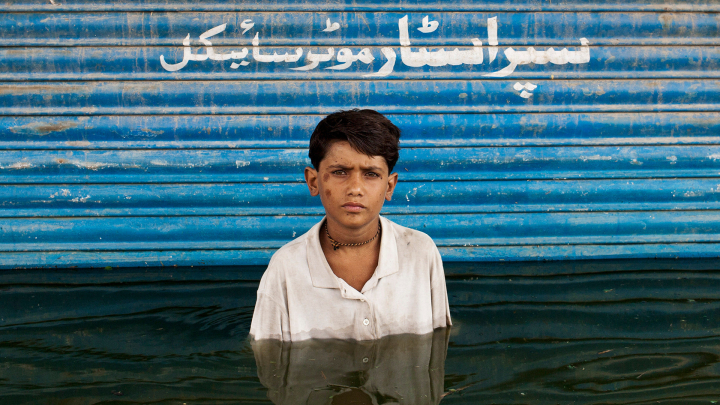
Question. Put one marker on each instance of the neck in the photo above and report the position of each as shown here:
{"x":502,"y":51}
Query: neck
{"x":350,"y":236}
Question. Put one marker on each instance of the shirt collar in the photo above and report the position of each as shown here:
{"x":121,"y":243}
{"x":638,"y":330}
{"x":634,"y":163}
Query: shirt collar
{"x":320,"y":272}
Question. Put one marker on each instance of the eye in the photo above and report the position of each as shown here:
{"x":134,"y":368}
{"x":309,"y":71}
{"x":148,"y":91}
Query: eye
{"x":338,"y":172}
{"x":373,"y":174}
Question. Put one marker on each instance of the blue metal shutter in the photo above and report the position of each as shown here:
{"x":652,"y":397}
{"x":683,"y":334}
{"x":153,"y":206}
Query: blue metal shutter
{"x":111,"y":153}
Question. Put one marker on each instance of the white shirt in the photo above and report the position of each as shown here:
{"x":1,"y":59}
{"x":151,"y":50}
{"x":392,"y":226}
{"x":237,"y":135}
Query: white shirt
{"x":300,"y":298}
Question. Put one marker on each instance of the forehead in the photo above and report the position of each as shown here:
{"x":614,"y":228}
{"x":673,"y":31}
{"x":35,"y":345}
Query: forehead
{"x":341,"y":153}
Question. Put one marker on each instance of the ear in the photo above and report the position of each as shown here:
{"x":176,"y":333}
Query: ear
{"x":392,"y":182}
{"x":311,"y":178}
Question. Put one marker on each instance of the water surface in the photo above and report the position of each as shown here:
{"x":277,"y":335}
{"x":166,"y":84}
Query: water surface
{"x":604,"y":332}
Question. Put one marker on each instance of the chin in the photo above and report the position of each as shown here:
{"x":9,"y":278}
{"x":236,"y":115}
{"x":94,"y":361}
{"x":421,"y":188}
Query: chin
{"x":355,"y":220}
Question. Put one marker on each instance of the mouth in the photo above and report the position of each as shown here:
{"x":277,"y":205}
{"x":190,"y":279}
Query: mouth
{"x":353,"y":207}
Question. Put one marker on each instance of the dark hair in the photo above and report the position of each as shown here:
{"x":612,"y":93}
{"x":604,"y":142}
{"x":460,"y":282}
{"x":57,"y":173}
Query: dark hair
{"x":367,"y":131}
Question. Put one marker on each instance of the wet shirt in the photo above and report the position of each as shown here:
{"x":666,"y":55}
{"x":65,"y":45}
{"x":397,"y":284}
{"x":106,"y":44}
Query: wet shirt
{"x":398,"y":369}
{"x":300,"y":298}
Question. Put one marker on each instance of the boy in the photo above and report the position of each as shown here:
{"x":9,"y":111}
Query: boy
{"x":354,"y":275}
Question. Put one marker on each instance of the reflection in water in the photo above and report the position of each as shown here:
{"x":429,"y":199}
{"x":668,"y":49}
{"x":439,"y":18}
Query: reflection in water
{"x":630,"y":332}
{"x":403,"y":369}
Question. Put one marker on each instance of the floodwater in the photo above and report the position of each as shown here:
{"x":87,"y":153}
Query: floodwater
{"x":602,"y":332}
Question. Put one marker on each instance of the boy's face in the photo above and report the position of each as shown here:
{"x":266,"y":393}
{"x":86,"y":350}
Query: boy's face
{"x":352,"y":186}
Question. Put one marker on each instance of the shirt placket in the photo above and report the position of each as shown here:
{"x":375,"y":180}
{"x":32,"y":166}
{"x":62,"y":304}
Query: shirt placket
{"x":367,"y":320}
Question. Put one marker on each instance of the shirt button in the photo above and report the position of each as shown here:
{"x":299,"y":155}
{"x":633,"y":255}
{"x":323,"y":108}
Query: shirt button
{"x":365,"y":360}
{"x":366,"y":322}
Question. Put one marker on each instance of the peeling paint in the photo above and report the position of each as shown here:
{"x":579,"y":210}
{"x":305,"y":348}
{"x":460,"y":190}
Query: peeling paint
{"x":43,"y":128}
{"x":47,"y":89}
{"x":64,"y":192}
{"x":21,"y":165}
{"x":595,"y":157}
{"x":150,"y":131}
{"x":85,"y":165}
{"x":412,"y":193}
{"x":78,"y":143}
{"x":80,"y":199}
{"x":157,"y":162}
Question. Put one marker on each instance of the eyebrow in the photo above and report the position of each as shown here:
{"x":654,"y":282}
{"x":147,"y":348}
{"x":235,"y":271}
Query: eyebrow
{"x":337,"y":166}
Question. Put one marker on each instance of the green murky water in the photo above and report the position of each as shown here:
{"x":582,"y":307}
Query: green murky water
{"x":609,"y":332}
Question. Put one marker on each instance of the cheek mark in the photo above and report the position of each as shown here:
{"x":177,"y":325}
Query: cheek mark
{"x":326,"y":176}
{"x":328,"y":193}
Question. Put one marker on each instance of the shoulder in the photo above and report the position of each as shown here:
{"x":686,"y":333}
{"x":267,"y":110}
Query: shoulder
{"x":408,"y":238}
{"x":290,"y":251}
{"x":286,"y":262}
{"x":415,"y":249}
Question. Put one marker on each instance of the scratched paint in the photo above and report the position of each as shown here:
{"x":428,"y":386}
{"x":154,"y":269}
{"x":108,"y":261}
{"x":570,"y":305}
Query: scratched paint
{"x":515,"y":29}
{"x":135,"y":134}
{"x":314,"y":5}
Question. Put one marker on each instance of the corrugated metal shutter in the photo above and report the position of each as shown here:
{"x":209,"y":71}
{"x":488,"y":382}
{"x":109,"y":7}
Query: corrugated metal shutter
{"x":605,"y":147}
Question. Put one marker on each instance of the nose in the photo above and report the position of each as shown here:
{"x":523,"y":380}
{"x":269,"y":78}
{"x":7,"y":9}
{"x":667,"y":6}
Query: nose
{"x":355,"y":184}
